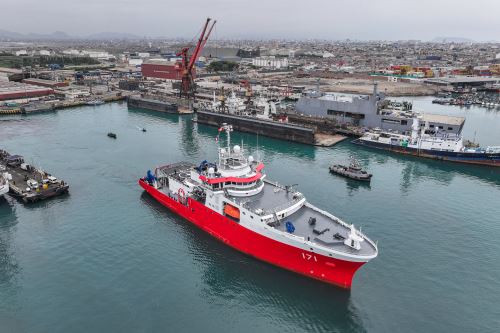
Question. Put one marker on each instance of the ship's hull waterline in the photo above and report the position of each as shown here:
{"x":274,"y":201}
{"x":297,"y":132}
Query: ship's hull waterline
{"x":308,"y":263}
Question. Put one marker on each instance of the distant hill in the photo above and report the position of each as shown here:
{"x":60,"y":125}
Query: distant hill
{"x":452,"y":40}
{"x":113,"y":35}
{"x":10,"y":34}
{"x":60,"y":35}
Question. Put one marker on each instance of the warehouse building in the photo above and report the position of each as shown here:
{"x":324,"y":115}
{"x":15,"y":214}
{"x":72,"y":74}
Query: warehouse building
{"x":45,"y":83}
{"x":463,"y":81}
{"x":14,"y":90}
{"x":161,"y":69}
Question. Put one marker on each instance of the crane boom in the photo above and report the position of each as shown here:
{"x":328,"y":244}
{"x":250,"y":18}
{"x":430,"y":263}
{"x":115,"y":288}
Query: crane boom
{"x":201,"y":43}
{"x":187,"y":63}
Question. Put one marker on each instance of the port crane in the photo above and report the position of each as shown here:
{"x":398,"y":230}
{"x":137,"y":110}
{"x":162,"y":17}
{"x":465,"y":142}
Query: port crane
{"x":187,"y":63}
{"x":248,"y":94}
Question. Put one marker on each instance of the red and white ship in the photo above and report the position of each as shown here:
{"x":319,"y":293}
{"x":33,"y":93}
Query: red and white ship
{"x":234,"y":202}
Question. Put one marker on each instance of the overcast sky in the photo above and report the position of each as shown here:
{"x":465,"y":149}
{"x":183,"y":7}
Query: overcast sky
{"x":322,"y":19}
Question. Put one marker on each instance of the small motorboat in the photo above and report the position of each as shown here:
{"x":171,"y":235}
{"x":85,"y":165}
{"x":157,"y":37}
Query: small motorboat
{"x":112,"y":135}
{"x":352,"y":171}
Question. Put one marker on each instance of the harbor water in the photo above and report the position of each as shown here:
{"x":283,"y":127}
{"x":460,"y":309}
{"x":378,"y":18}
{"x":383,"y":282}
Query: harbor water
{"x":108,"y":258}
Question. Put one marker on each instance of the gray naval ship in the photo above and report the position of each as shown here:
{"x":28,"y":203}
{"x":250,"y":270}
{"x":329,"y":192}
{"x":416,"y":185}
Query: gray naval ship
{"x":373,"y":111}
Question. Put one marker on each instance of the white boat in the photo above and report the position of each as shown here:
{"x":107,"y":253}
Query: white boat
{"x":4,"y":182}
{"x":95,"y":102}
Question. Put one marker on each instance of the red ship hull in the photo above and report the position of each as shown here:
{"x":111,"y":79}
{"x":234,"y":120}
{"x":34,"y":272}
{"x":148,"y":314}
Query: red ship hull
{"x":308,"y":263}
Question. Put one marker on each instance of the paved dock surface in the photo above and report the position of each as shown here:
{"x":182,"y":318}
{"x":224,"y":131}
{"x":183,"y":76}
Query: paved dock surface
{"x":328,"y":140}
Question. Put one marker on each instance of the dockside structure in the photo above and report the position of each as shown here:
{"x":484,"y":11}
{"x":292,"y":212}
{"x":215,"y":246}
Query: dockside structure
{"x":374,"y":111}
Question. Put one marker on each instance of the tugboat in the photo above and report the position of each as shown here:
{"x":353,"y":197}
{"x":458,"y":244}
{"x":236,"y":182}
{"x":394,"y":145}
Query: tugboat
{"x":352,"y":171}
{"x":233,"y":201}
{"x":112,"y":135}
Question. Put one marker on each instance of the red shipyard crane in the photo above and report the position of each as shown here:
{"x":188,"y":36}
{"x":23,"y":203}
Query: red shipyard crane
{"x":187,"y":64}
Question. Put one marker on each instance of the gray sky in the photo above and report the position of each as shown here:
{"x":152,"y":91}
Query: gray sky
{"x":324,"y":19}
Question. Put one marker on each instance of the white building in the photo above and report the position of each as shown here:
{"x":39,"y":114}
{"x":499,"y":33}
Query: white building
{"x":100,"y":55}
{"x":270,"y":62}
{"x":21,"y":53}
{"x":71,"y":52}
{"x":135,"y":62}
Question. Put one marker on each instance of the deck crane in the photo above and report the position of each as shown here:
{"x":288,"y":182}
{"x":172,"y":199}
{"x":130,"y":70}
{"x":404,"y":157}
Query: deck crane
{"x":187,"y":64}
{"x":248,"y":94}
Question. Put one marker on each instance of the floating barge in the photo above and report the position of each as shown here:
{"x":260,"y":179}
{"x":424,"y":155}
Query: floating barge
{"x":28,"y":183}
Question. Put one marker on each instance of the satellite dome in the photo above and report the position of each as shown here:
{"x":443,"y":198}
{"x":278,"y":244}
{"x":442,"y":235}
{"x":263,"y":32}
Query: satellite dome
{"x":211,"y":170}
{"x":250,"y":159}
{"x":237,"y":149}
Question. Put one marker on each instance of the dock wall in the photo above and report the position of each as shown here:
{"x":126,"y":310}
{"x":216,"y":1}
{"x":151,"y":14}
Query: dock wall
{"x":150,"y":104}
{"x":268,"y":128}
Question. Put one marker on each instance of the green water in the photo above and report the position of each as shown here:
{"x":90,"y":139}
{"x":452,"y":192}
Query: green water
{"x":107,"y":258}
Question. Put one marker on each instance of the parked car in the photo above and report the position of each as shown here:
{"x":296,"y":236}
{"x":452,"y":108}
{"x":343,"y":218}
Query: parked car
{"x":32,"y":183}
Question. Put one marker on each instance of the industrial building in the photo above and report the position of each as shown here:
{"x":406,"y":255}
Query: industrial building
{"x":161,"y":69}
{"x":270,"y":62}
{"x":14,"y":90}
{"x":45,"y":83}
{"x":464,"y":81}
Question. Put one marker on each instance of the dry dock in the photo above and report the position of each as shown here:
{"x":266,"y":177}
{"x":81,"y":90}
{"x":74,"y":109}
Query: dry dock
{"x":268,"y":128}
{"x":149,"y":103}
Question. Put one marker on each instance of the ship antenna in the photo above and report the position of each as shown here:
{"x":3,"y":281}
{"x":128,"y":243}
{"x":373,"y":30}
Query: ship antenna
{"x":258,"y":155}
{"x":228,"y":129}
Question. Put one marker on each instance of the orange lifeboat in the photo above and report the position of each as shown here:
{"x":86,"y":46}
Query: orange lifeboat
{"x":232,"y":211}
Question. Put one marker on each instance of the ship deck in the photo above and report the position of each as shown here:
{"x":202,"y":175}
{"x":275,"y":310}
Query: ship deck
{"x":326,"y":231}
{"x":272,"y":198}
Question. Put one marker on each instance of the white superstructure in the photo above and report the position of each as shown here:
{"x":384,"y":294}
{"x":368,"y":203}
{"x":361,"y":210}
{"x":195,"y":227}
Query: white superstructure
{"x":4,"y":181}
